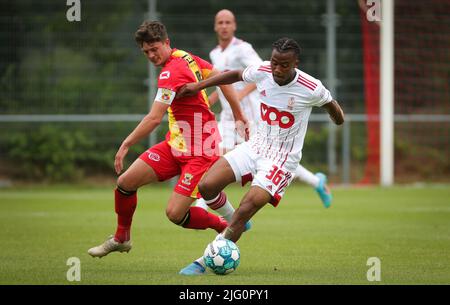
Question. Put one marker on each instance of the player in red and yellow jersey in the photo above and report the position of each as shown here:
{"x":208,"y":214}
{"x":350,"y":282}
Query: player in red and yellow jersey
{"x":190,"y":147}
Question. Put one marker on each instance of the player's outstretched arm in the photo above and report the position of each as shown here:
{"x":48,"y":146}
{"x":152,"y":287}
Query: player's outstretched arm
{"x":335,"y":111}
{"x":225,"y":78}
{"x":143,"y":129}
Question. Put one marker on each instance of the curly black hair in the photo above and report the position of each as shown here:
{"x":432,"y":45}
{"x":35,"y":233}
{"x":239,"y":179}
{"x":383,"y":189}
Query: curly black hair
{"x":287,"y":44}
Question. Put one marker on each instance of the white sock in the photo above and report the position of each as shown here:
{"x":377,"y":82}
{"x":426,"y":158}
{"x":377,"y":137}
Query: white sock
{"x":306,"y":176}
{"x":201,"y":204}
{"x":201,"y":261}
{"x":221,"y":205}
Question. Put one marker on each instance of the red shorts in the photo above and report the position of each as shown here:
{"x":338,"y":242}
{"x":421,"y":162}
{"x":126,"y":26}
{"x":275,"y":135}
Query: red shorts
{"x":190,"y":168}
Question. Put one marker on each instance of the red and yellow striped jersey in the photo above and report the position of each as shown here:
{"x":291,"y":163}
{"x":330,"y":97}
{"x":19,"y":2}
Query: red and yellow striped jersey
{"x":192,"y":126}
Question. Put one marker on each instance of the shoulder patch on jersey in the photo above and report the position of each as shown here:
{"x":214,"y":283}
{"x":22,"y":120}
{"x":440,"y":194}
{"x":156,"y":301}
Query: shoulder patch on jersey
{"x":166,"y":94}
{"x":164,"y":75}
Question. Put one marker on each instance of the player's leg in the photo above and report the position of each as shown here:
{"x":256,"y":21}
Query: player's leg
{"x":156,"y":164}
{"x":318,"y":181}
{"x":236,"y":165}
{"x":225,"y":145}
{"x":252,"y":202}
{"x":125,"y":200}
{"x":137,"y":175}
{"x":180,"y":212}
{"x":211,"y":185}
{"x":186,"y":191}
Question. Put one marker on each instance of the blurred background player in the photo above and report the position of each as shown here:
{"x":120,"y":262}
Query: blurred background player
{"x":274,"y":150}
{"x":235,"y":54}
{"x":184,"y":152}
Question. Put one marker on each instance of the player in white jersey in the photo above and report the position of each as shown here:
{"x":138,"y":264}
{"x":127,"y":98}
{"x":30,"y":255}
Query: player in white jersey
{"x":274,"y":150}
{"x":235,"y":54}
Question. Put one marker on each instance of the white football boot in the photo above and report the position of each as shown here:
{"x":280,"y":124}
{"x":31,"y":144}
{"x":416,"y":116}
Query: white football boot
{"x":110,"y":245}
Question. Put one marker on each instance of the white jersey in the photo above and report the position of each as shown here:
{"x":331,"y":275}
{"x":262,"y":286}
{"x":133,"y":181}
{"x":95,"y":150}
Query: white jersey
{"x":238,"y":55}
{"x":284,"y":112}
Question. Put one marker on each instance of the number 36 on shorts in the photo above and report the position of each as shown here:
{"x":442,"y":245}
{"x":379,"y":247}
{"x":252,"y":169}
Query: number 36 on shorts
{"x":276,"y":175}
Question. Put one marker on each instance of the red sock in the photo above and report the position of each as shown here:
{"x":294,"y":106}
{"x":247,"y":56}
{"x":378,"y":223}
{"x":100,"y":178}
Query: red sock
{"x":201,"y":219}
{"x":125,"y":205}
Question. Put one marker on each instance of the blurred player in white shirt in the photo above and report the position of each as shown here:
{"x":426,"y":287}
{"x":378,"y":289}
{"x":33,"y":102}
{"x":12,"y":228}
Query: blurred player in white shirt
{"x":235,"y":54}
{"x":274,"y":150}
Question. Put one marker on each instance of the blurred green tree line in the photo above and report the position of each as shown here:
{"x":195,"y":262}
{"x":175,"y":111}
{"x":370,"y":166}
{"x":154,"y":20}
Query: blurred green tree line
{"x":49,"y":65}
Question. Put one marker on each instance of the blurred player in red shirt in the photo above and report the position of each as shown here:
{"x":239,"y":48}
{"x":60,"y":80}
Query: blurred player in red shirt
{"x":190,"y":147}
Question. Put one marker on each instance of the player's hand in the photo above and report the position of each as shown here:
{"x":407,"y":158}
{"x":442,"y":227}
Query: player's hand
{"x":120,"y":155}
{"x":188,"y":90}
{"x":242,"y":127}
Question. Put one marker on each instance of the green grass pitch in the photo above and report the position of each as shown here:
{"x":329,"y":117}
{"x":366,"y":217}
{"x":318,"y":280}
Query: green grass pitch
{"x":299,"y":242}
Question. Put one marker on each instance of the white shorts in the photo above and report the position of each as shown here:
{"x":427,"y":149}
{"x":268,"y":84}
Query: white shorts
{"x":248,"y":166}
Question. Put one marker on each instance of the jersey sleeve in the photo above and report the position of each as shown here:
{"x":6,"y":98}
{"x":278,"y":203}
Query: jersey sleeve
{"x":320,"y":96}
{"x":249,"y":56}
{"x":169,"y":81}
{"x":252,"y":74}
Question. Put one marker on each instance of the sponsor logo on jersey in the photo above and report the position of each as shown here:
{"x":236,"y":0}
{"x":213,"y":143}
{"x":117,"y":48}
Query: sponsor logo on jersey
{"x":164,"y":75}
{"x":187,"y":178}
{"x":273,"y":116}
{"x":153,"y":156}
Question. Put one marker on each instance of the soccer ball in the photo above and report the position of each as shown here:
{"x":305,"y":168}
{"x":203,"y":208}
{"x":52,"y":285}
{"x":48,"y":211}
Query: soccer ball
{"x":222,"y":256}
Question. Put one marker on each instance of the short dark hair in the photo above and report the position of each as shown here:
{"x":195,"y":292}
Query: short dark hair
{"x":150,"y":31}
{"x":287,"y":44}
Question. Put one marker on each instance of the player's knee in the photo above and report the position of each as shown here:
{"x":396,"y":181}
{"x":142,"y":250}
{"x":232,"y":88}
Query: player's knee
{"x":174,"y":216}
{"x":126,"y":184}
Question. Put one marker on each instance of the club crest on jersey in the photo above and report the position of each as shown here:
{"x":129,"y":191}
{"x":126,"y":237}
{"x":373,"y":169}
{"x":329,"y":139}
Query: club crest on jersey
{"x":153,"y":156}
{"x":187,"y":179}
{"x":291,"y":102}
{"x":164,"y":75}
{"x":166,"y":95}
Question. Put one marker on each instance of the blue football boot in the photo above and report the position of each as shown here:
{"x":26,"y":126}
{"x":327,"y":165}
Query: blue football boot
{"x":193,"y":269}
{"x":323,"y":190}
